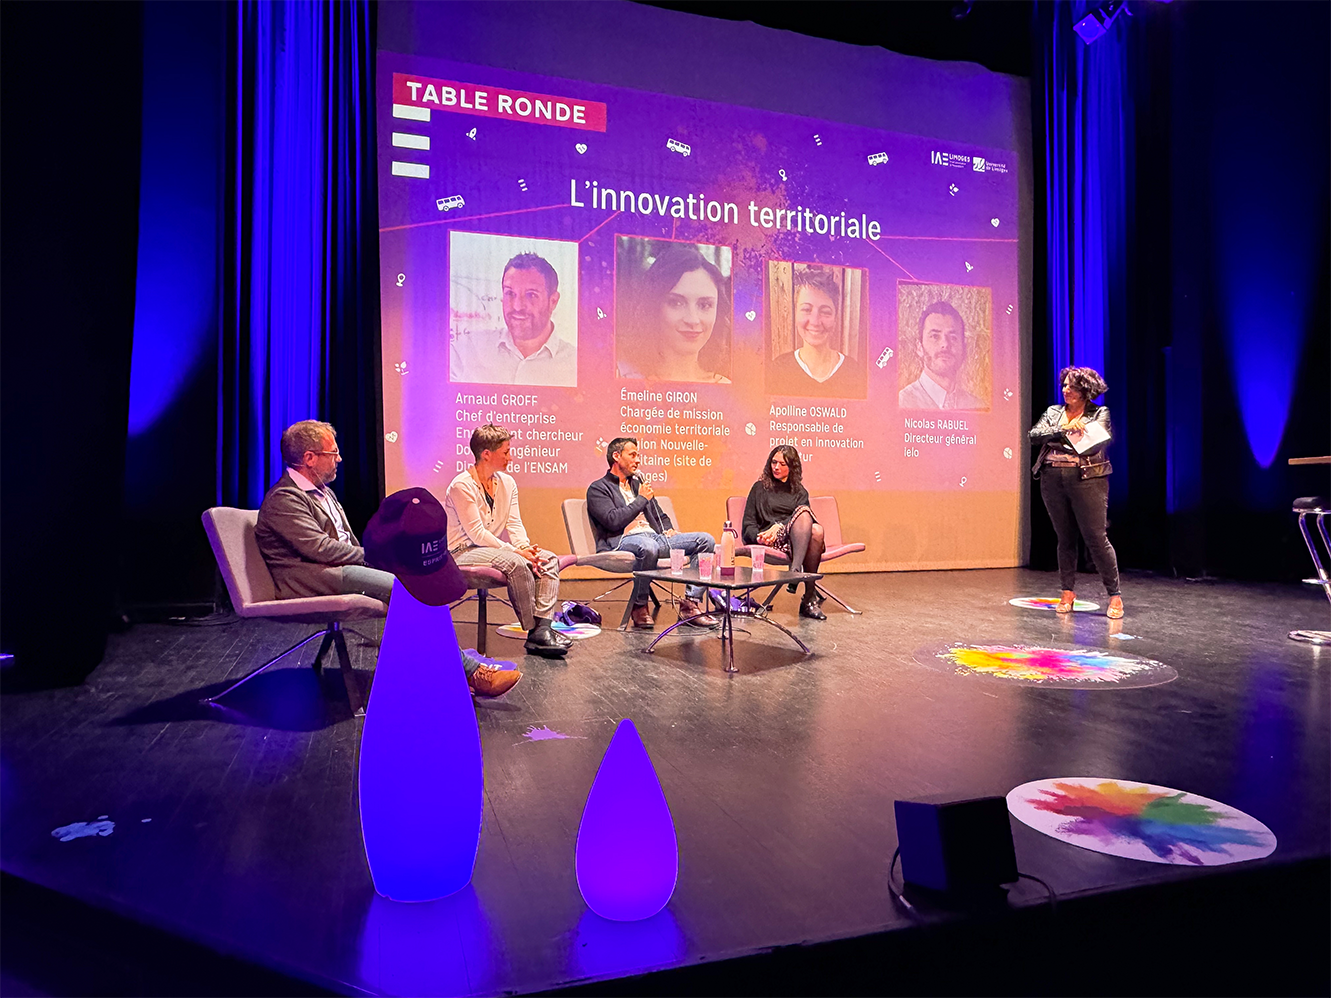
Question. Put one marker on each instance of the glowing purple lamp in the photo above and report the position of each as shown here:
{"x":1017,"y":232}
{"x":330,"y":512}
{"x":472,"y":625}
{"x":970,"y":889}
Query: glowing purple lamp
{"x":421,"y":776}
{"x":627,"y":855}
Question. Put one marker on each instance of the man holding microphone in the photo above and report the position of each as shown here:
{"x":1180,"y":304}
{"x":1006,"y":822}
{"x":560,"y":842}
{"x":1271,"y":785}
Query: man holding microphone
{"x":624,"y":517}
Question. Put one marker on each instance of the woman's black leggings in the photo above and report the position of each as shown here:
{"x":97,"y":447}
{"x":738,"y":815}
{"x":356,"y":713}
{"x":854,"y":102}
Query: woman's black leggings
{"x":806,"y":550}
{"x":1076,"y":505}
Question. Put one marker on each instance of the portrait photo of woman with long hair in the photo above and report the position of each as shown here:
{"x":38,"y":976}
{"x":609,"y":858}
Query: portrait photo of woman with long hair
{"x":672,"y":310}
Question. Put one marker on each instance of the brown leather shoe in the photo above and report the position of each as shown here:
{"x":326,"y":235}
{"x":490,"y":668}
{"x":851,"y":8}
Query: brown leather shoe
{"x":687,"y":608}
{"x":642,"y":617}
{"x":488,"y":682}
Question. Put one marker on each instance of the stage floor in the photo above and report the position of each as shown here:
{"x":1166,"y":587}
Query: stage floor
{"x":238,"y":828}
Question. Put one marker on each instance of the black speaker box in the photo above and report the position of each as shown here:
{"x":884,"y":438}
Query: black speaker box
{"x":955,"y":846}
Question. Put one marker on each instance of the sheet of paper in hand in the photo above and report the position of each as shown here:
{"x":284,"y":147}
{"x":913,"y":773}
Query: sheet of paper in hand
{"x":1094,"y":434}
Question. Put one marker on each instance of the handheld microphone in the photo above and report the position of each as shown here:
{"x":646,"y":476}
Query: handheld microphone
{"x":637,"y":477}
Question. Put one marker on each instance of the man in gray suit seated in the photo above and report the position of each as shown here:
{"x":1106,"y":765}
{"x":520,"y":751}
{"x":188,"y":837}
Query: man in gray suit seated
{"x":303,"y":532}
{"x":310,"y":549}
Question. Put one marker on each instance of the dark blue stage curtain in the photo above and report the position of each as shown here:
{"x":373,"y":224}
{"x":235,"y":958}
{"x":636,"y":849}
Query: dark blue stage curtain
{"x":1080,"y":103}
{"x":1088,"y":119}
{"x":1085,"y":103}
{"x":72,"y":80}
{"x":299,"y":327}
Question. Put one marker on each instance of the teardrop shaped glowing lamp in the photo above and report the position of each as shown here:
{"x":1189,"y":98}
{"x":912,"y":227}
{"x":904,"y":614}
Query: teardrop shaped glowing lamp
{"x":421,"y":777}
{"x":627,"y":858}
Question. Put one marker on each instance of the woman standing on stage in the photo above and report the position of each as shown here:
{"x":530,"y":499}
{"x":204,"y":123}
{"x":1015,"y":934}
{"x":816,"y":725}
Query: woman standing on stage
{"x":1074,"y":481}
{"x":777,"y":515}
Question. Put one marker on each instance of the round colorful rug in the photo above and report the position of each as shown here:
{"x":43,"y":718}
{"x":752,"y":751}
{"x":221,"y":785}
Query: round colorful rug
{"x":1034,"y":665}
{"x":1050,"y":602}
{"x":575,"y":631}
{"x":1140,"y":821}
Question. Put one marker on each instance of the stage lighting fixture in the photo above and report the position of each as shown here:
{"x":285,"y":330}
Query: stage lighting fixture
{"x":1100,"y":20}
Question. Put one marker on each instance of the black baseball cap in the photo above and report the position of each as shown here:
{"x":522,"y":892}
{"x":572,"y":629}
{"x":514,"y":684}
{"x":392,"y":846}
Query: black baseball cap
{"x":408,"y":536}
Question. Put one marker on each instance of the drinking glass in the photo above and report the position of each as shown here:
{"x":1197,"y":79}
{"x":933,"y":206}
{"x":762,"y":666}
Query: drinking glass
{"x":759,"y":558}
{"x":705,"y":560}
{"x":676,"y":561}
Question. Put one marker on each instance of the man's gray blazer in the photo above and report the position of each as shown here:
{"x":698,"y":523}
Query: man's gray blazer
{"x":298,"y":540}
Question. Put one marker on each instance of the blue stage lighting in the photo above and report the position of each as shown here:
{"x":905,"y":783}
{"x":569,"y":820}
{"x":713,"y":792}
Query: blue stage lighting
{"x":1264,"y":334}
{"x":1100,"y":20}
{"x":421,"y":777}
{"x":1265,"y":244}
{"x":175,"y":301}
{"x":627,"y":858}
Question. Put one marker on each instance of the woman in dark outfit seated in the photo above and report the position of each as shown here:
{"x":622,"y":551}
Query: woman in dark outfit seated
{"x":777,"y":515}
{"x":1075,"y":487}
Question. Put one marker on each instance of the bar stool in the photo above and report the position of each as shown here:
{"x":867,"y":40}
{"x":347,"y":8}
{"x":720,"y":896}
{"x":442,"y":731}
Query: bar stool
{"x":1315,"y":506}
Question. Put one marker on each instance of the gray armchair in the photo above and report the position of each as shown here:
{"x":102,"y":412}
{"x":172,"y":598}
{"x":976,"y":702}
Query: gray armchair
{"x":231,"y":533}
{"x":582,"y":542}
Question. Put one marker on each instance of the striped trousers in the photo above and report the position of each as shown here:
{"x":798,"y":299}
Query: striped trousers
{"x":533,"y":594}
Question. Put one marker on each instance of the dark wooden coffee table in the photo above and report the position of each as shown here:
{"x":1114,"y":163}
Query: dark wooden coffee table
{"x":744,"y":581}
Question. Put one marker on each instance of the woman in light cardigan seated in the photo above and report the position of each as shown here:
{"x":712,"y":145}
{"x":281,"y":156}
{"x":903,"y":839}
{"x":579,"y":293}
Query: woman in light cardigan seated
{"x":482,"y":504}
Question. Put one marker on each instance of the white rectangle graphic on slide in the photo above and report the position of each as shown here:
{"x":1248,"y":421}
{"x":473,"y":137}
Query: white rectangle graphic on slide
{"x":411,"y":170}
{"x":405,"y":140}
{"x":414,"y":113}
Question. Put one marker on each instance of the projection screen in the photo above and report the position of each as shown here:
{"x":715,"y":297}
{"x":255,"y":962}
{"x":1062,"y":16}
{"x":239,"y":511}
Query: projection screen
{"x":584,"y":237}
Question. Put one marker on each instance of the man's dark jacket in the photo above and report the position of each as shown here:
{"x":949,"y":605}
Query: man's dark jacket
{"x":610,"y":514}
{"x":1048,"y":434}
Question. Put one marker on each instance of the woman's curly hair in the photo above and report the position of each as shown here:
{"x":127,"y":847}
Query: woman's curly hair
{"x":793,"y":479}
{"x":1086,"y":380}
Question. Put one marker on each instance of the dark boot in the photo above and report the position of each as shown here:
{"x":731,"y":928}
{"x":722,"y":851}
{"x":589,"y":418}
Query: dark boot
{"x":809,"y":608}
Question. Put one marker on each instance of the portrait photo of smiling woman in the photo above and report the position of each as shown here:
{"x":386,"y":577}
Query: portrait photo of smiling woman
{"x":817,"y":330}
{"x":672,"y":310}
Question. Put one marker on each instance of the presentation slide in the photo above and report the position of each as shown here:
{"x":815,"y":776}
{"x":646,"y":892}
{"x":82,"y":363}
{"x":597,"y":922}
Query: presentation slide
{"x":575,"y":262}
